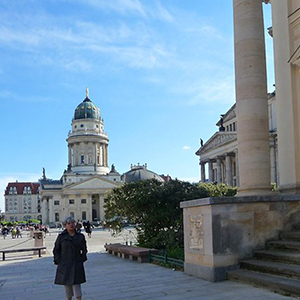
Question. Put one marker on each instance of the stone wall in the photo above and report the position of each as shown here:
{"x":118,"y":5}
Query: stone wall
{"x":219,"y":232}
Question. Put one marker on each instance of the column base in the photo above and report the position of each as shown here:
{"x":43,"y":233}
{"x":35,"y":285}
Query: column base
{"x":289,"y":188}
{"x":261,"y":191}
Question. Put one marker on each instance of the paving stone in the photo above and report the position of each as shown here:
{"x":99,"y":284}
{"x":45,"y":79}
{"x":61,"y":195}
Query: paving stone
{"x":110,"y":278}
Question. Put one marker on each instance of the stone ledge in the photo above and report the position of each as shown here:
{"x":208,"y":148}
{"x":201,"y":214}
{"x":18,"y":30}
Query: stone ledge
{"x":237,"y":200}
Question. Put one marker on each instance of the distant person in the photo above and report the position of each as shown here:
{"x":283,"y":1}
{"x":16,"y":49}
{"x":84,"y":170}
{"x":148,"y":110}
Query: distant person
{"x":18,"y":233}
{"x":69,"y":254}
{"x":14,"y":233}
{"x":88,"y":229}
{"x":5,"y":231}
{"x":78,"y":226}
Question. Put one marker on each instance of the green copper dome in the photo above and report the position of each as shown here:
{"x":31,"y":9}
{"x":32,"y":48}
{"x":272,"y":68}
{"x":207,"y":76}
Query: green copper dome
{"x":87,"y":110}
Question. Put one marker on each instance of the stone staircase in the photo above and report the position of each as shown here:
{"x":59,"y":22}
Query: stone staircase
{"x":277,"y":268}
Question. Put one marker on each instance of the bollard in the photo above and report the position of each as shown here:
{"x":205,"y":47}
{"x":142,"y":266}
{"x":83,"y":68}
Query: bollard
{"x":39,"y":241}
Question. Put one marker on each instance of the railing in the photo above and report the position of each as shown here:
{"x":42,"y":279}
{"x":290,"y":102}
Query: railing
{"x":163,"y":258}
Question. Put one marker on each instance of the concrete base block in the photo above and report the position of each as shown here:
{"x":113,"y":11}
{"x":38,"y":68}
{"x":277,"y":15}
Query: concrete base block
{"x":208,"y":273}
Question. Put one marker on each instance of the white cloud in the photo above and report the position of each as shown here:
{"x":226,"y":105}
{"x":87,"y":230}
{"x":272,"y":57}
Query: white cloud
{"x":186,"y":148}
{"x":120,"y":6}
{"x":162,"y":13}
{"x":206,"y":30}
{"x":216,"y":90}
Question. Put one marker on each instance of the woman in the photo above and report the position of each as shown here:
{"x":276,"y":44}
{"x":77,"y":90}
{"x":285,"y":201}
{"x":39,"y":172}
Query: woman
{"x":69,"y":254}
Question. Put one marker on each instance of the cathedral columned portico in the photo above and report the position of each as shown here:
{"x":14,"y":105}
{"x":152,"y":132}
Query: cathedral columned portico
{"x":220,"y":169}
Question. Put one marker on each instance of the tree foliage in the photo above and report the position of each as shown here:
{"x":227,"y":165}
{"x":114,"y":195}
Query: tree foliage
{"x":218,"y":190}
{"x":154,"y":207}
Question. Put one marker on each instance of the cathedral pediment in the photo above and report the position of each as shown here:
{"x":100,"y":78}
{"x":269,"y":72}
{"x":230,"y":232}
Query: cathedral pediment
{"x":217,"y":140}
{"x":93,"y":183}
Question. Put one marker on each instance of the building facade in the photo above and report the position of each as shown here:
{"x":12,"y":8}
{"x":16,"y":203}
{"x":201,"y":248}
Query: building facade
{"x":218,"y":157}
{"x":83,"y":186}
{"x":81,"y":190}
{"x":22,"y":201}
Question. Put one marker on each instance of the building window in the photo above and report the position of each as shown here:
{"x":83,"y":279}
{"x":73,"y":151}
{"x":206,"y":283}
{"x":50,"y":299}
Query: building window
{"x":56,"y":217}
{"x":82,"y":159}
{"x":234,"y":126}
{"x":71,"y":201}
{"x":230,"y":127}
{"x":83,"y":201}
{"x":83,"y":215}
{"x":81,"y":125}
{"x":56,"y":202}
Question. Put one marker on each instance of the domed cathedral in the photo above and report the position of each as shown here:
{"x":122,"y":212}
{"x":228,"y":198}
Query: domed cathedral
{"x":81,"y":190}
{"x":87,"y":142}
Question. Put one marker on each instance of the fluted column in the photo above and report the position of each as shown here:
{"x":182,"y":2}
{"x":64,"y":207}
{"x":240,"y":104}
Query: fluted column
{"x":237,"y":173}
{"x":228,"y":169}
{"x":69,"y":155}
{"x":45,"y":212}
{"x":106,"y":155}
{"x":202,"y":166}
{"x":211,"y":171}
{"x":219,"y":175}
{"x":251,"y":98}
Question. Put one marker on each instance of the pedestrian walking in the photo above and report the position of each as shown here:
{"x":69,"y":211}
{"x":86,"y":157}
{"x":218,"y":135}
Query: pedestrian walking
{"x":78,"y":226}
{"x":69,"y":255}
{"x":88,"y":228}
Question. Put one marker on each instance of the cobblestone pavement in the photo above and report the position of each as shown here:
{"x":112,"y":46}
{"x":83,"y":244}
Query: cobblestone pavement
{"x":24,"y":276}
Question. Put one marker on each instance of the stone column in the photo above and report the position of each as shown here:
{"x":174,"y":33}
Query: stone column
{"x":251,"y":98}
{"x":228,"y":169}
{"x":202,"y":165}
{"x":89,"y":208}
{"x":237,"y":173}
{"x":219,"y":176}
{"x":211,"y":171}
{"x":106,"y":155}
{"x":69,"y":155}
{"x":45,"y":214}
{"x":50,"y":209}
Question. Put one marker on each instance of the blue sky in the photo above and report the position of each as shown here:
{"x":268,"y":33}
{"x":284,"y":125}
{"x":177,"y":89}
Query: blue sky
{"x":161,"y":72}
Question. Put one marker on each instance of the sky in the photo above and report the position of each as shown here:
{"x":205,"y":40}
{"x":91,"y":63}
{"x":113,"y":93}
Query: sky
{"x":160,"y":71}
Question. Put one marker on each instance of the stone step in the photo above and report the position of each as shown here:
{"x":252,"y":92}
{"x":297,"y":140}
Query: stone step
{"x":275,"y":268}
{"x":282,"y":285}
{"x":284,"y":245}
{"x":296,"y":226}
{"x":290,"y":235}
{"x":278,"y":256}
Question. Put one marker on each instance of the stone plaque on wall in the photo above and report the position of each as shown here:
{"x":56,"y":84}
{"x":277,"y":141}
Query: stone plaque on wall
{"x":196,"y":240}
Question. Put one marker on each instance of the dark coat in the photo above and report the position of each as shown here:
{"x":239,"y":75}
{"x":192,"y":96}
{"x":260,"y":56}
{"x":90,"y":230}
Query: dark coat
{"x":70,"y":254}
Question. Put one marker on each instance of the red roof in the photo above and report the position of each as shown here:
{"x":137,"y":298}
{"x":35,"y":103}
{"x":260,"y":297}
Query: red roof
{"x":20,"y":187}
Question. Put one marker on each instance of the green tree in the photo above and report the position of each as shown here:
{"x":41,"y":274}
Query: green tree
{"x":154,"y":207}
{"x":218,"y":190}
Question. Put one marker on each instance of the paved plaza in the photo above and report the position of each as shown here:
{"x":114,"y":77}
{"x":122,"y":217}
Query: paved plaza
{"x":27,"y":277}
